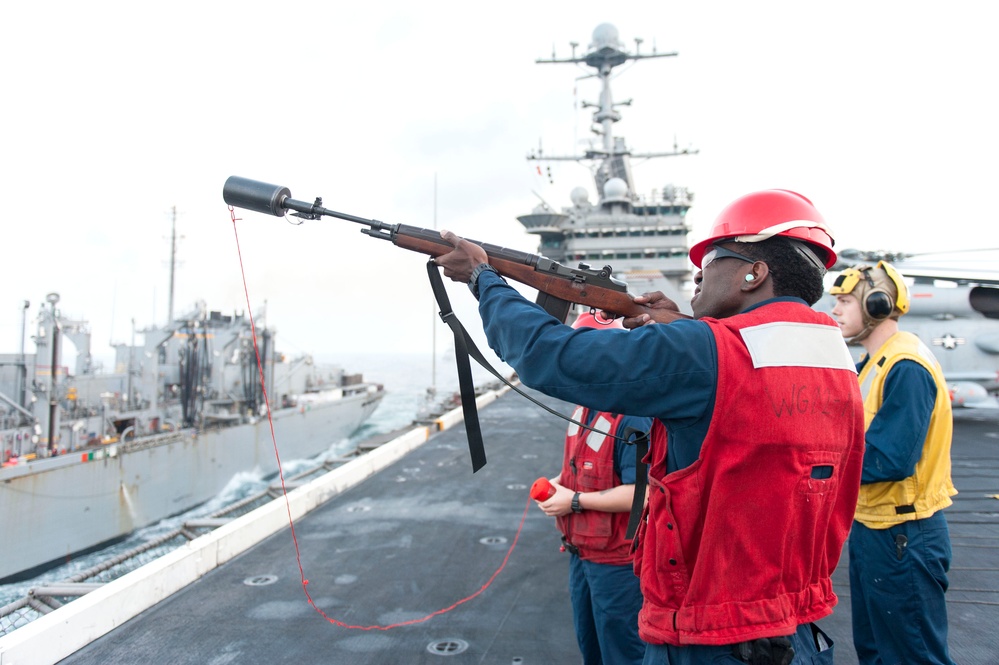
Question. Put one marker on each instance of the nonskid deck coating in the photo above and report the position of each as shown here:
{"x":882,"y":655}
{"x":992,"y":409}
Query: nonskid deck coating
{"x":426,"y":533}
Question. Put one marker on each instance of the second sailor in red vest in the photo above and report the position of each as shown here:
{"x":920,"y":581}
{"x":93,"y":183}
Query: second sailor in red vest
{"x":594,"y":493}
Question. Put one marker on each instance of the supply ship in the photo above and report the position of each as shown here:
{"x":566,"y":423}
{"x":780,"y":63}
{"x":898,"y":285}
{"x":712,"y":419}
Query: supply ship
{"x":88,"y":457}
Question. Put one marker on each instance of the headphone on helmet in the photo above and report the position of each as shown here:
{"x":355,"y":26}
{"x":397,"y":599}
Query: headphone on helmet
{"x":876,"y":301}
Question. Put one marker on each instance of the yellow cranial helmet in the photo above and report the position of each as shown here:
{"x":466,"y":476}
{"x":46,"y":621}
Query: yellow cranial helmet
{"x":880,"y":289}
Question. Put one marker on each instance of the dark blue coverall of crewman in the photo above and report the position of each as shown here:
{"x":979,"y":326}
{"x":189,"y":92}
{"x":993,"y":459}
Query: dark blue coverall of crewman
{"x":606,"y":598}
{"x":626,"y":378}
{"x":920,"y":568}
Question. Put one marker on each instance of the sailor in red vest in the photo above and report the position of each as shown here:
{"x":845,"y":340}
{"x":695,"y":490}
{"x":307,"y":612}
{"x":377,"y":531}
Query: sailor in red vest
{"x":593,"y":497}
{"x":752,"y":500}
{"x":900,"y":544}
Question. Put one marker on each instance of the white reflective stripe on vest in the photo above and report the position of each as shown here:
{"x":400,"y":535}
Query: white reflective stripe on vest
{"x":573,"y":427}
{"x":596,"y":439}
{"x":789,"y":344}
{"x":868,"y":382}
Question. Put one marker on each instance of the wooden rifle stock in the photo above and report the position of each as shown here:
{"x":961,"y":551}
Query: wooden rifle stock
{"x":558,"y":286}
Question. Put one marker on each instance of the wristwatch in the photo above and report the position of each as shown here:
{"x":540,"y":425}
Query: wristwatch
{"x":473,"y":282}
{"x":576,"y":508}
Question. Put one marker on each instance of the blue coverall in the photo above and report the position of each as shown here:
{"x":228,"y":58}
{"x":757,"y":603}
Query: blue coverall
{"x":898,"y":575}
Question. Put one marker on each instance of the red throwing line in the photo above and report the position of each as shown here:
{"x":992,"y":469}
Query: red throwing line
{"x":284,"y":491}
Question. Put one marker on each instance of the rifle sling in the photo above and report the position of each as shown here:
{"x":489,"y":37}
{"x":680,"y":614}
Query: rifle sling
{"x":464,"y":348}
{"x":641,"y":478}
{"x":462,"y":342}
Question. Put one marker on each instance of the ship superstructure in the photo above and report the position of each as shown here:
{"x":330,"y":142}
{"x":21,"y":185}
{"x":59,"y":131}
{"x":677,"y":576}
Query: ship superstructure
{"x":88,"y":456}
{"x":644,"y":238}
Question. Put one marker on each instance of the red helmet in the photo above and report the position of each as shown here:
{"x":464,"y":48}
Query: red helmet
{"x":772,"y":212}
{"x":588,"y":320}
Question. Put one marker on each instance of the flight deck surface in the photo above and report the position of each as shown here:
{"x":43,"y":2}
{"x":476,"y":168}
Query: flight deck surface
{"x":425,"y":533}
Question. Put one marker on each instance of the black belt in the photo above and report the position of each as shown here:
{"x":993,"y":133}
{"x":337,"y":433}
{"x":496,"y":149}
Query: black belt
{"x":765,"y":651}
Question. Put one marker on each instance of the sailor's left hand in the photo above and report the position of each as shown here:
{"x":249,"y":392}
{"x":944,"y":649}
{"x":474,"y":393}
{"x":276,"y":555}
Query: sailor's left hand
{"x":661,"y":310}
{"x":459,"y":263}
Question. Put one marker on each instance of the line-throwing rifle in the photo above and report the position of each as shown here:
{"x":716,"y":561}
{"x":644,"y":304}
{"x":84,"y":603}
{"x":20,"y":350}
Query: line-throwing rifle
{"x":558,"y":286}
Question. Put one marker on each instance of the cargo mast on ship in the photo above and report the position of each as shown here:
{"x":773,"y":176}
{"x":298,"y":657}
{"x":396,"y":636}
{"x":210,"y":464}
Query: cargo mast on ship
{"x":643,"y":238}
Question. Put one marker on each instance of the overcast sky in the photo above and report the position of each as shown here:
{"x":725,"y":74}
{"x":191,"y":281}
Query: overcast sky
{"x":883,"y":113}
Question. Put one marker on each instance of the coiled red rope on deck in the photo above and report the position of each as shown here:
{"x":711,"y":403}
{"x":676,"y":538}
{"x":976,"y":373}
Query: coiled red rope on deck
{"x":284,"y":491}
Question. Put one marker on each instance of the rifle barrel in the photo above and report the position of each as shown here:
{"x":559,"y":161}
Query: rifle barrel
{"x":276,"y":200}
{"x":595,"y":288}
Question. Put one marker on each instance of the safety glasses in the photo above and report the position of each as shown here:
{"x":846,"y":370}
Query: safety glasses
{"x":721,"y":253}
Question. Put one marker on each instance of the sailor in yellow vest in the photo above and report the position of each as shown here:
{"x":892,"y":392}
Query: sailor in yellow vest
{"x":899,"y":545}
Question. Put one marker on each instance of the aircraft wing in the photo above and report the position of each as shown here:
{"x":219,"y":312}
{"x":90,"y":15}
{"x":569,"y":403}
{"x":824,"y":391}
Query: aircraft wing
{"x":977,"y":266}
{"x":961,"y":276}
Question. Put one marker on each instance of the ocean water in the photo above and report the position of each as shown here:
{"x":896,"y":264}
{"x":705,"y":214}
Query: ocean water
{"x":413,"y":383}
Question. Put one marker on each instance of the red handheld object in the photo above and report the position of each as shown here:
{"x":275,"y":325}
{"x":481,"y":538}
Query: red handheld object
{"x":542,"y":490}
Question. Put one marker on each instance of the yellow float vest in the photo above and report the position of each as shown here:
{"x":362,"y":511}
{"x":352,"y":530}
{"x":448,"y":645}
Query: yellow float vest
{"x":885,"y":504}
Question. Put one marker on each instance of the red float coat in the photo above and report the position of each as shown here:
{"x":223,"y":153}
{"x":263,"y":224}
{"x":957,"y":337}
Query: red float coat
{"x":741,"y":544}
{"x":588,"y":466}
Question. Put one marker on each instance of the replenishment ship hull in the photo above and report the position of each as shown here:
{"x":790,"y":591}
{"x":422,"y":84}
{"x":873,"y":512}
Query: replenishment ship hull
{"x":88,"y":457}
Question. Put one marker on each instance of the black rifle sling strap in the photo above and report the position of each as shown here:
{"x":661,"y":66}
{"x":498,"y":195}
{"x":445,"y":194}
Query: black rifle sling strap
{"x":641,"y":444}
{"x":464,"y":348}
{"x":461,"y":353}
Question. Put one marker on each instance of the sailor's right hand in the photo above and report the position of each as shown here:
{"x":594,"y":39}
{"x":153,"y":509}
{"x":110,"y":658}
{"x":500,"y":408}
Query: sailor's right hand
{"x":559,"y":504}
{"x":459,"y":263}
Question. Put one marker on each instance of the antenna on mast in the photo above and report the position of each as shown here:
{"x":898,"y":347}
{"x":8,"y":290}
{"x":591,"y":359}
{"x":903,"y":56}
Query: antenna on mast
{"x":173,"y":259}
